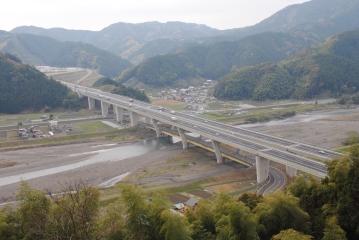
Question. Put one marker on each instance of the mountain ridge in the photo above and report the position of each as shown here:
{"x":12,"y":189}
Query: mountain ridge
{"x":331,"y":68}
{"x":43,"y":50}
{"x":23,"y":87}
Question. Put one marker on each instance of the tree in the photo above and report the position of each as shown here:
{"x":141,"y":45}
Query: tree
{"x":250,"y":199}
{"x":10,"y":227}
{"x":332,"y":230}
{"x":33,"y":212}
{"x":155,"y":210}
{"x":112,"y":224}
{"x":280,"y":212}
{"x":234,"y":219}
{"x":175,"y":226}
{"x":291,"y":234}
{"x":206,"y":215}
{"x":71,"y":214}
{"x":313,"y":197}
{"x":75,"y":213}
{"x":137,"y":222}
{"x":241,"y":222}
{"x":199,"y":232}
{"x":348,"y":195}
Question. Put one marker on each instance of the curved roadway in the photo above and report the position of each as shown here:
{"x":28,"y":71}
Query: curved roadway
{"x":277,"y":181}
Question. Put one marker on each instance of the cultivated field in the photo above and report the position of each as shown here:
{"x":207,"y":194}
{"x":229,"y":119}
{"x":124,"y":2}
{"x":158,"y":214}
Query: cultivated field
{"x":171,"y":104}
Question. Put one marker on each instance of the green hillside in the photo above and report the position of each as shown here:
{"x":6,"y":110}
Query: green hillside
{"x":41,"y":50}
{"x":22,"y":87}
{"x":152,"y":48}
{"x":332,"y":67}
{"x":116,"y":88}
{"x":215,"y":60}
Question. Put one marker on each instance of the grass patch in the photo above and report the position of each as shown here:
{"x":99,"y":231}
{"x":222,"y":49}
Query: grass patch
{"x":7,"y":164}
{"x":14,"y":119}
{"x":71,"y":115}
{"x":349,"y":117}
{"x":186,"y":188}
{"x":106,"y":202}
{"x":345,"y":149}
{"x":268,"y":113}
{"x":93,"y":127}
{"x":170,"y":104}
{"x":60,"y":140}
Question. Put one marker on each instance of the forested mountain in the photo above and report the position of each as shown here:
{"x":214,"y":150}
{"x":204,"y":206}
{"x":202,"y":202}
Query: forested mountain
{"x":109,"y":85}
{"x":315,"y":19}
{"x":126,"y":39}
{"x":23,"y":87}
{"x":215,"y":60}
{"x":42,"y":50}
{"x":331,"y":67}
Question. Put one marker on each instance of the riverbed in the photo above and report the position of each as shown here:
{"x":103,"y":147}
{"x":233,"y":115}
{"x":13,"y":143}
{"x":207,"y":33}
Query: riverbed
{"x":95,"y":163}
{"x":323,"y":128}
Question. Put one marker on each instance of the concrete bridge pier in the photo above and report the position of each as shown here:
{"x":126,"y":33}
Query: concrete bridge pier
{"x":155,"y":125}
{"x":91,"y":102}
{"x":262,"y":167}
{"x":134,"y":118}
{"x":80,"y":96}
{"x":183,"y":138}
{"x":217,"y":151}
{"x":291,"y":172}
{"x":104,"y":108}
{"x":119,"y":113}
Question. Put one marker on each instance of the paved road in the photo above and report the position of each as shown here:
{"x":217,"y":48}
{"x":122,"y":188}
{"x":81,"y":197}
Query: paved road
{"x":277,"y":180}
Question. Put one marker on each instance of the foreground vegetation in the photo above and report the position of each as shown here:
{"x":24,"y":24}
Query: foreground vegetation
{"x":321,"y":210}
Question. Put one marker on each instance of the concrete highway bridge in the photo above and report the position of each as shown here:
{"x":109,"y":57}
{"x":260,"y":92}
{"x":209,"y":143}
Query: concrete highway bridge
{"x":294,"y":155}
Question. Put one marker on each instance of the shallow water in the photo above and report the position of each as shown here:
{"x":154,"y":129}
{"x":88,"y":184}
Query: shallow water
{"x":103,"y":155}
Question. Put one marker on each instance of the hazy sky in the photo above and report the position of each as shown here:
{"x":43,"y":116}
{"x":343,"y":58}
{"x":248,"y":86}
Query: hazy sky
{"x":98,"y":14}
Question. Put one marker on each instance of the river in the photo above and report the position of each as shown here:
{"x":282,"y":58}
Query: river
{"x":97,"y":154}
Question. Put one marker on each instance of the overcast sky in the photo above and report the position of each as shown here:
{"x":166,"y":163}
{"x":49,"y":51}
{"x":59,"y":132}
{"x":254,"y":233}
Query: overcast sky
{"x":98,"y":14}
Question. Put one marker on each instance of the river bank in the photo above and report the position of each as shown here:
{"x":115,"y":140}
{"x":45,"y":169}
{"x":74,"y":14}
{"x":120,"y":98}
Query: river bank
{"x":120,"y":159}
{"x":326,"y":128}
